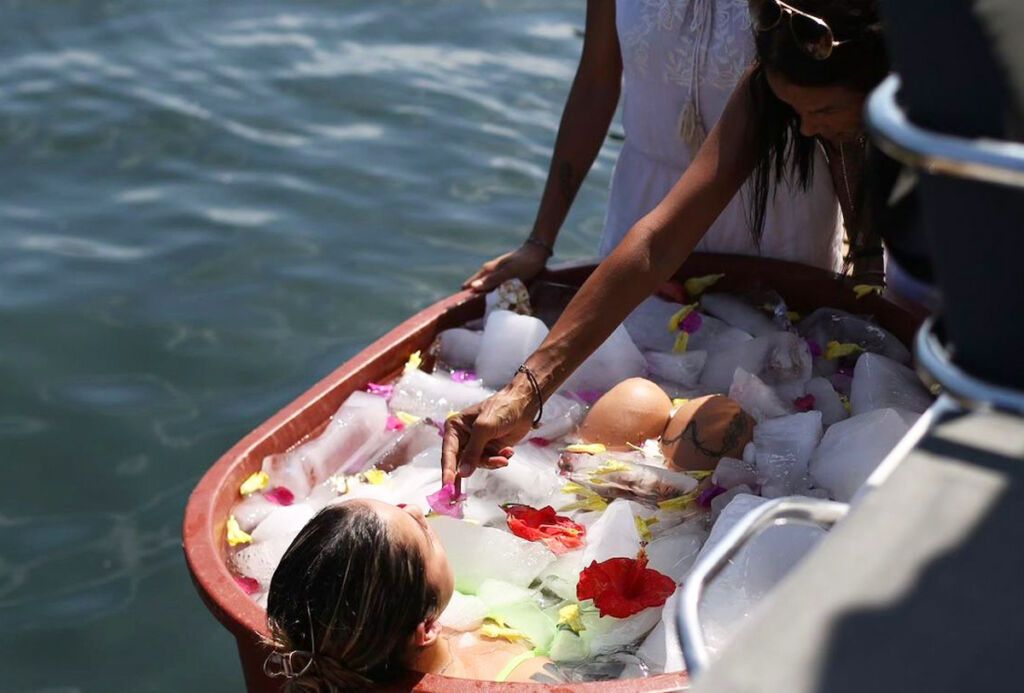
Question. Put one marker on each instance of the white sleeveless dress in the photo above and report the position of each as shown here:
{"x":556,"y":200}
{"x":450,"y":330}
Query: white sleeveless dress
{"x":676,"y":52}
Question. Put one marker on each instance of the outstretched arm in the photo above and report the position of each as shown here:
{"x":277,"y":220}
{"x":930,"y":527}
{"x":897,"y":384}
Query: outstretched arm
{"x":588,"y":113}
{"x":649,"y":254}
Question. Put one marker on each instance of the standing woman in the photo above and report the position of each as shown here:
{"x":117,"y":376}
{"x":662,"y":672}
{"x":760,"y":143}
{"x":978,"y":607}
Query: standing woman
{"x":816,"y":62}
{"x":675,"y":63}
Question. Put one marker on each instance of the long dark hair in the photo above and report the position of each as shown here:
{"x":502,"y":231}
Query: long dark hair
{"x":350,"y":594}
{"x":861,"y":63}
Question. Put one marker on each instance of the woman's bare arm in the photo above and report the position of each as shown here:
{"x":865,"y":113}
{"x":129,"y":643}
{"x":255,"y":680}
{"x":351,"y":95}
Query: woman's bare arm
{"x":588,"y":113}
{"x":649,"y":254}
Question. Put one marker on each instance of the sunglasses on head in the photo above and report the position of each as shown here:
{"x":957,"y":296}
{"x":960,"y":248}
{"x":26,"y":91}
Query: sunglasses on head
{"x":811,"y":33}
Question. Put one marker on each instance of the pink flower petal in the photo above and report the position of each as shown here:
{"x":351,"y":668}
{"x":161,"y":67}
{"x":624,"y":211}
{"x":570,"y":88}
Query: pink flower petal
{"x":279,"y":495}
{"x":815,"y":348}
{"x":705,"y":497}
{"x":384,"y":391}
{"x":463,"y":376}
{"x":691,"y":323}
{"x":805,"y":403}
{"x":394,"y":423}
{"x":249,"y":585}
{"x":447,"y":501}
{"x":590,"y":396}
{"x":539,"y":442}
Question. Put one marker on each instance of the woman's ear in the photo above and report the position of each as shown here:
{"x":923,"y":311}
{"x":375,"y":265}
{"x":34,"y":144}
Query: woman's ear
{"x":426,"y":633}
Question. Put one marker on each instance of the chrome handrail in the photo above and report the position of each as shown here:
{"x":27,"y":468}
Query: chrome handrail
{"x":781,"y":511}
{"x":981,"y":159}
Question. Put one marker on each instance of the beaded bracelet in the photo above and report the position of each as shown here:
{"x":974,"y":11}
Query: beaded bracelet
{"x":540,"y":244}
{"x":536,"y":390}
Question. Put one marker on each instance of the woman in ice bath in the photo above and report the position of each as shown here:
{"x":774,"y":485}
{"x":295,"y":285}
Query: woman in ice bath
{"x":816,"y":62}
{"x":355,"y":601}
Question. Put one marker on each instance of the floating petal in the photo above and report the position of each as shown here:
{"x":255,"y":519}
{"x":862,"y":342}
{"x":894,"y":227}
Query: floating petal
{"x":679,"y":316}
{"x":560,"y":534}
{"x":253,"y":483}
{"x":236,"y":536}
{"x":249,"y":585}
{"x":384,"y":391}
{"x":862,"y":290}
{"x":447,"y":501}
{"x":414,"y":362}
{"x":587,"y":448}
{"x":280,"y":496}
{"x":621,"y":587}
{"x":375,"y":476}
{"x":805,"y":403}
{"x":695,"y":286}
{"x":569,"y":616}
{"x":682,"y":341}
{"x":835,"y":350}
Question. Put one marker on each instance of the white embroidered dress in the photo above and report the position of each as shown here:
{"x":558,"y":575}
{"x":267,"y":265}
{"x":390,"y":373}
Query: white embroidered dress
{"x":670,"y":47}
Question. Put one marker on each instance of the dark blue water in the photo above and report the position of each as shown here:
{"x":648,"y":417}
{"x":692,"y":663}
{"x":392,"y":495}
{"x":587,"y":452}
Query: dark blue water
{"x":206,"y":206}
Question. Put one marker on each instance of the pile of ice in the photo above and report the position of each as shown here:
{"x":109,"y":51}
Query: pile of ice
{"x":831,"y":394}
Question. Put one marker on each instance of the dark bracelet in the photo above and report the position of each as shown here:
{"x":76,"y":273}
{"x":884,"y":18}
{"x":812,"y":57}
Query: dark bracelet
{"x":540,"y":244}
{"x":536,"y":390}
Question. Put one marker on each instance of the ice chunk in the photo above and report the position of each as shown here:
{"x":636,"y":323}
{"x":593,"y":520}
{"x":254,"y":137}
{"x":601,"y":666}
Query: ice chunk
{"x":561,"y":577}
{"x":614,"y":361}
{"x":286,"y":470}
{"x":683,"y":369}
{"x":286,"y":521}
{"x":851,"y":449}
{"x":738,"y":313}
{"x":784,"y":447}
{"x":270,"y":540}
{"x":775,"y":358}
{"x":434,"y":395}
{"x":750,"y":453}
{"x":496,"y":593}
{"x":749,"y":577}
{"x":478,"y":553}
{"x":561,"y":417}
{"x":731,"y":472}
{"x":715,"y":335}
{"x":409,"y":442}
{"x":531,"y":478}
{"x":830,"y":324}
{"x":756,"y":398}
{"x":662,"y":650}
{"x":604,"y":635}
{"x":508,"y":339}
{"x":648,"y":324}
{"x":527,"y":617}
{"x":459,"y":347}
{"x":464,"y":612}
{"x":615,"y":534}
{"x":718,"y":503}
{"x":252,"y":511}
{"x":826,"y":400}
{"x":880,"y":382}
{"x":674,"y":552}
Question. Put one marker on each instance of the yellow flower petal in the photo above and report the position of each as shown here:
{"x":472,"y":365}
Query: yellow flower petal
{"x":235,"y":534}
{"x":570,"y":616}
{"x":340,"y":484}
{"x":846,"y":403}
{"x":673,"y":322}
{"x":406,"y":418}
{"x":678,"y":503}
{"x":587,"y":449}
{"x":610,"y":467}
{"x":375,"y":476}
{"x":253,"y":483}
{"x":679,"y":401}
{"x":414,"y":362}
{"x":862,"y":290}
{"x":450,"y":414}
{"x":591,"y":500}
{"x":695,"y":286}
{"x":700,"y":474}
{"x":793,"y":316}
{"x":642,"y":528}
{"x":493,"y":630}
{"x":682,"y":340}
{"x":572,"y":487}
{"x":835,"y":350}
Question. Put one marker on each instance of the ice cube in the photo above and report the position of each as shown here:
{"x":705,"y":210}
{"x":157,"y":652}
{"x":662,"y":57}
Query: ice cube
{"x":738,"y":313}
{"x":615,"y":534}
{"x":353,"y":435}
{"x":459,"y":347}
{"x":731,"y":472}
{"x":674,"y":552}
{"x":718,"y":503}
{"x":683,"y":369}
{"x":784,"y":446}
{"x":662,"y":650}
{"x":508,"y":339}
{"x":270,"y":540}
{"x":616,"y":360}
{"x":648,"y":324}
{"x":496,"y":593}
{"x":285,"y":521}
{"x":776,"y":358}
{"x":880,"y":382}
{"x":286,"y":470}
{"x":833,"y":325}
{"x":715,"y":335}
{"x":252,"y":511}
{"x":477,"y":553}
{"x":756,"y":398}
{"x":604,"y":635}
{"x":561,"y":417}
{"x":409,"y":442}
{"x":826,"y":400}
{"x":531,"y":478}
{"x":851,"y":449}
{"x":434,"y":395}
{"x":750,"y":453}
{"x":561,"y":577}
{"x":464,"y":612}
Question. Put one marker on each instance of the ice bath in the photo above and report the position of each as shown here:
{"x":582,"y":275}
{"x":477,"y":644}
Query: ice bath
{"x":806,"y":389}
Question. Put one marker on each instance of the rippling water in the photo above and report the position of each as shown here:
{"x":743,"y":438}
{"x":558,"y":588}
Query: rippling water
{"x":204,"y":208}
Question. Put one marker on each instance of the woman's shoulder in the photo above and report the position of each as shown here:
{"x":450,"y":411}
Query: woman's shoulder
{"x":491,"y":659}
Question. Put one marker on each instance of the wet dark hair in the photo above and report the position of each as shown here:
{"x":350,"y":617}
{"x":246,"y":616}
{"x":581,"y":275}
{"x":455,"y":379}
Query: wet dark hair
{"x":350,"y":593}
{"x":861,"y":63}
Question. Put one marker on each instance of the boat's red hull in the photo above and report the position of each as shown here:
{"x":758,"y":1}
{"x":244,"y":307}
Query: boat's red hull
{"x":210,"y":504}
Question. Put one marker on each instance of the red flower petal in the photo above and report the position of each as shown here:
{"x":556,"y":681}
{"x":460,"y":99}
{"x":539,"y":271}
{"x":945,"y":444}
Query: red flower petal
{"x":249,"y":585}
{"x":279,"y":495}
{"x":805,"y":403}
{"x":621,"y":587}
{"x":557,"y":532}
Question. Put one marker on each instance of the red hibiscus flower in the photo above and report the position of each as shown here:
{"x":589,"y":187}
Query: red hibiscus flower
{"x":621,"y":587}
{"x":557,"y":532}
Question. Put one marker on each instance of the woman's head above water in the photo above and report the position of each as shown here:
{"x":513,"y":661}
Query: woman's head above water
{"x":360,"y":588}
